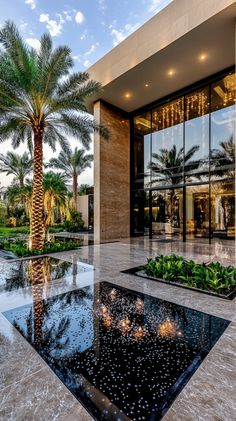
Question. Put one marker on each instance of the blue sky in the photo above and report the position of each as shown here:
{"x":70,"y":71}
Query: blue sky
{"x":90,"y":28}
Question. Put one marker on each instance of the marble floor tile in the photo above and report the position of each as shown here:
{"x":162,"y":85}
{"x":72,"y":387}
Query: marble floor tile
{"x":31,"y":391}
{"x":40,"y":396}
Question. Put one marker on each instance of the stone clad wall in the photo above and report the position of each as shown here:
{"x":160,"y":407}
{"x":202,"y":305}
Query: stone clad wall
{"x":111,"y":175}
{"x":83,"y":207}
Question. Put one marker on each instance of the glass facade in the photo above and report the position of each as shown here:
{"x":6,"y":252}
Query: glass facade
{"x":183,"y":178}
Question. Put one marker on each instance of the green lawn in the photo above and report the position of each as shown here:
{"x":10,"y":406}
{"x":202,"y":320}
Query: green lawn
{"x":12,"y":232}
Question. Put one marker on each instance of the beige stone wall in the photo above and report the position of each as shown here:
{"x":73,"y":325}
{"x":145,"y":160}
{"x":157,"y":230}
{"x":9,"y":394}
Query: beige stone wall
{"x":82,"y":202}
{"x":111,"y":175}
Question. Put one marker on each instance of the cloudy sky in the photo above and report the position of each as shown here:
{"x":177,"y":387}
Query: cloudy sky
{"x":89,"y":27}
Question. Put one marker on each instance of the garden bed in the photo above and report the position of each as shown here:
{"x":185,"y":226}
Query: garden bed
{"x":209,"y":278}
{"x":19,"y":248}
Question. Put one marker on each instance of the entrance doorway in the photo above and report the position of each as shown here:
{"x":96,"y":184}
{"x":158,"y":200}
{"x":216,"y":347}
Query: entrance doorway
{"x":167,"y":214}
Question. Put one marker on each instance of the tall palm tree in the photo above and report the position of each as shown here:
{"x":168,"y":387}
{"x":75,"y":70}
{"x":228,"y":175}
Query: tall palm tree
{"x":18,"y":165}
{"x":41,"y":101}
{"x":72,"y":163}
{"x":55,"y":193}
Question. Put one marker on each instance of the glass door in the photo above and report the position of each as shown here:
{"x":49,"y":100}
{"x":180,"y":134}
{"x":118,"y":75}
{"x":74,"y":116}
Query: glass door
{"x":167,"y":214}
{"x":197,"y":212}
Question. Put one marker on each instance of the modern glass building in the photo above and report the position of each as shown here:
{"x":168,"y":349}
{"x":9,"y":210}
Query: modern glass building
{"x":183,"y":163}
{"x":168,"y":98}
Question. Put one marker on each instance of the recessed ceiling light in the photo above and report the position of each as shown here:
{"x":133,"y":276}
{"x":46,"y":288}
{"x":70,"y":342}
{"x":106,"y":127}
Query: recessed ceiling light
{"x":203,"y":57}
{"x":171,"y":72}
{"x":146,"y":85}
{"x":127,"y":95}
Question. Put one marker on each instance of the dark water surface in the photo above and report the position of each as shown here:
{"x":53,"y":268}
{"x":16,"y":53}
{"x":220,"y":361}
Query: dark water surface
{"x":124,"y":355}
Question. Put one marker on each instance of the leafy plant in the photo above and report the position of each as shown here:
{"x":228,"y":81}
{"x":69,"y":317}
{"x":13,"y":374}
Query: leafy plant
{"x":75,"y":223}
{"x":206,"y":276}
{"x":20,"y":247}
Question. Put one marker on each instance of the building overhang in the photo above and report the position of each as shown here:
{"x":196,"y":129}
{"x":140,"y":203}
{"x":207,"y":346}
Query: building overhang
{"x":184,"y":43}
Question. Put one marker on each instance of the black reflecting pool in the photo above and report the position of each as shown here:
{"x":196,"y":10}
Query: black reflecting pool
{"x":124,"y":355}
{"x":22,"y":273}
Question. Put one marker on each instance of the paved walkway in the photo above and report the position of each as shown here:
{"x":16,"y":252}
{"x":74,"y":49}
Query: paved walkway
{"x":31,"y":391}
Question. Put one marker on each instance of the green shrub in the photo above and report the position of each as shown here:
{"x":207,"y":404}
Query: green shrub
{"x":207,"y":276}
{"x":20,"y":248}
{"x":75,"y":223}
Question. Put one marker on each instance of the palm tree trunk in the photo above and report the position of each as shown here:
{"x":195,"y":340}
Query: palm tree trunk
{"x":75,"y":189}
{"x":48,"y":220}
{"x":21,"y":179}
{"x":37,"y":200}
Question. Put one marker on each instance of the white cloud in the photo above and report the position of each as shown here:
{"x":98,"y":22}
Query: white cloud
{"x":102,"y":5}
{"x":31,"y":3}
{"x":79,"y":17}
{"x":54,"y":27}
{"x":87,"y":63}
{"x":156,"y":5}
{"x":118,"y":35}
{"x":23,"y":25}
{"x":33,"y":42}
{"x":84,"y":34}
{"x":67,"y":15}
{"x":76,"y":58}
{"x":91,"y":49}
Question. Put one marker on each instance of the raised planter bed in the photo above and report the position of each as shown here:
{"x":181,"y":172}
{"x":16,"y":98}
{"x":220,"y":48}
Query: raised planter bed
{"x":138,"y":271}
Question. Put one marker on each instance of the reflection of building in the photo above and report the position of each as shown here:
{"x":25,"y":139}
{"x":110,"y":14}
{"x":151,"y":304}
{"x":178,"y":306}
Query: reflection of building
{"x":169,"y":101}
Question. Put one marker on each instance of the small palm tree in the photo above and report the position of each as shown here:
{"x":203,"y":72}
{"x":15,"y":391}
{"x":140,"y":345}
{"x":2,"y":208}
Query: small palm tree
{"x":17,"y":195}
{"x":18,"y":165}
{"x":72,"y":163}
{"x":42,"y":102}
{"x":55,"y":193}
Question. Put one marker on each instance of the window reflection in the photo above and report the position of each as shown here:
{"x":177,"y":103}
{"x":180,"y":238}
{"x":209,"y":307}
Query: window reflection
{"x":223,"y":128}
{"x":189,"y":141}
{"x":197,"y":211}
{"x":197,"y":135}
{"x":142,"y":149}
{"x":167,"y":158}
{"x":223,"y":209}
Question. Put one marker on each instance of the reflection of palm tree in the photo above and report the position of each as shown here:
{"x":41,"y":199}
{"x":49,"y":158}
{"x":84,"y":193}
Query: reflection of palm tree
{"x":169,"y":165}
{"x":17,"y":277}
{"x":223,"y":166}
{"x":50,"y":339}
{"x":37,"y":289}
{"x":223,"y":160}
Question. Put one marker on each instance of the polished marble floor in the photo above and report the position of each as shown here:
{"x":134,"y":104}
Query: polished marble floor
{"x":31,"y":391}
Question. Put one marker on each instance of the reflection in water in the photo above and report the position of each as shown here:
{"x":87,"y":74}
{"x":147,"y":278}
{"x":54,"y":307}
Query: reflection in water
{"x":37,"y":278}
{"x":122,"y":353}
{"x":19,"y":274}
